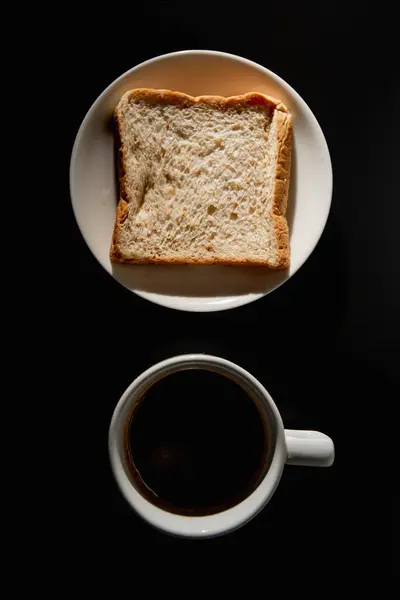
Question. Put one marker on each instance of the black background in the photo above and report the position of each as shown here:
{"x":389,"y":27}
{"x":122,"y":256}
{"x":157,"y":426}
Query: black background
{"x":325,"y":344}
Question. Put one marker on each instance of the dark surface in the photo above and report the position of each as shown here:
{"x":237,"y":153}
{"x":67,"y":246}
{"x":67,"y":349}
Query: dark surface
{"x":325,"y":344}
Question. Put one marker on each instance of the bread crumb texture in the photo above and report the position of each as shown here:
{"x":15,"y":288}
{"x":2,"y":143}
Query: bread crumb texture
{"x":202,"y":180}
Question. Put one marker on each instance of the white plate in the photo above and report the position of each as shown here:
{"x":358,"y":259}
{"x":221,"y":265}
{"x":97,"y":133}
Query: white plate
{"x":94,"y":190}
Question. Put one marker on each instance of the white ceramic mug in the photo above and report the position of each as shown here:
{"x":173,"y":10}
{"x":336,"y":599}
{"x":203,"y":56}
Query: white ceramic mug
{"x":309,"y":448}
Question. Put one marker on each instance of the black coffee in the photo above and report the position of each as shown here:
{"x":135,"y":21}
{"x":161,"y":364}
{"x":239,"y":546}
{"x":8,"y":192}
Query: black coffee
{"x":196,"y":443}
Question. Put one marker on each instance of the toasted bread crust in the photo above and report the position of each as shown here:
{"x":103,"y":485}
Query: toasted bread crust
{"x":283,"y":158}
{"x":180,"y":99}
{"x":282,"y":179}
{"x":233,"y":262}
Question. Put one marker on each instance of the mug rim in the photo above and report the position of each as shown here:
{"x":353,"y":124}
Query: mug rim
{"x":199,"y":526}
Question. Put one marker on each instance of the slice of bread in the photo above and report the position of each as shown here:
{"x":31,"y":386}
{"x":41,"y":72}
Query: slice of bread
{"x":202,"y":180}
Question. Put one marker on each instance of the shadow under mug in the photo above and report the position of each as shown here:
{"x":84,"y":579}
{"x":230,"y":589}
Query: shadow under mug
{"x":287,"y":446}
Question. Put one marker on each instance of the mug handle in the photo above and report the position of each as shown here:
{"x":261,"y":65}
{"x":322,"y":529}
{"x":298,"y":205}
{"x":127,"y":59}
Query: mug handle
{"x":309,"y":448}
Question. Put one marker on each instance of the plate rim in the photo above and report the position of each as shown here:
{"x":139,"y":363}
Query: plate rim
{"x":231,"y":301}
